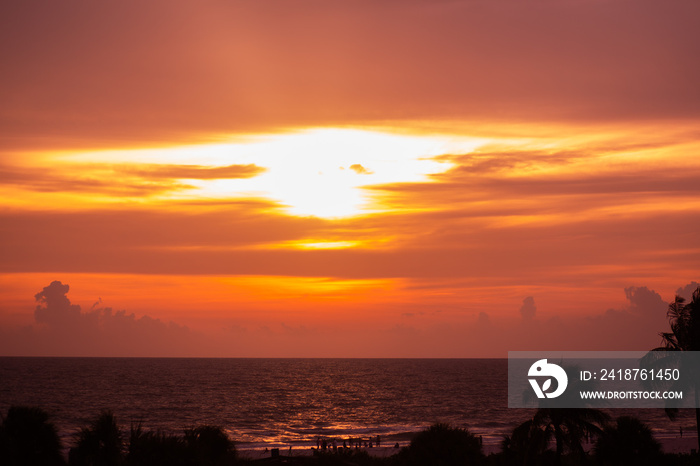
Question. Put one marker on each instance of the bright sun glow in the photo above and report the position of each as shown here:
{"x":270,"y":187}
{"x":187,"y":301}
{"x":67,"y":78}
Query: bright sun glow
{"x":319,"y":244}
{"x":318,"y":172}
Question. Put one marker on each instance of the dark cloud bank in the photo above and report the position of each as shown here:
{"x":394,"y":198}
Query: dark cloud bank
{"x":634,"y":327}
{"x":63,"y":329}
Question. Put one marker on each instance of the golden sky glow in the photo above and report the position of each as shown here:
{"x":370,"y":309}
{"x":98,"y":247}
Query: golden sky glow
{"x":355,"y":179}
{"x":317,"y":172}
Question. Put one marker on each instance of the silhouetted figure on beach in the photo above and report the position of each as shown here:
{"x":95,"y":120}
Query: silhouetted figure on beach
{"x":379,"y":441}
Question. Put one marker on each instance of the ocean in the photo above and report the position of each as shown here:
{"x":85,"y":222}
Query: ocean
{"x":265,"y":403}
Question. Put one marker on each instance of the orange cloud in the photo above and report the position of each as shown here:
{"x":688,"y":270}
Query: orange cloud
{"x":119,"y":180}
{"x":547,"y":211}
{"x":359,"y":169}
{"x":43,"y":181}
{"x":191,"y":171}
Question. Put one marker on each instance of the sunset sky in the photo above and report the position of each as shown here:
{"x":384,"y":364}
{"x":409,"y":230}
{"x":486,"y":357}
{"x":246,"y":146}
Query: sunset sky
{"x":346,"y":179}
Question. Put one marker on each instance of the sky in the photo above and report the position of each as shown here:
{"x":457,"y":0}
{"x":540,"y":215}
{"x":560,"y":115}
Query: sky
{"x":346,"y":179}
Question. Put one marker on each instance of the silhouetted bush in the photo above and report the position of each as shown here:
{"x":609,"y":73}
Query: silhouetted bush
{"x":155,"y":449}
{"x":443,"y":445}
{"x":200,"y":446}
{"x":28,"y":438}
{"x":209,"y":446}
{"x":98,"y":445}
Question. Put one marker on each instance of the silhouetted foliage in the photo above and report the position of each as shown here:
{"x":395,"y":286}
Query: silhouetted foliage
{"x":98,"y":445}
{"x":684,"y":319}
{"x":28,"y":438}
{"x":443,"y":445}
{"x":526,"y":446}
{"x":200,"y":446}
{"x":568,"y":427}
{"x":155,"y":449}
{"x":209,"y":446}
{"x":629,"y":441}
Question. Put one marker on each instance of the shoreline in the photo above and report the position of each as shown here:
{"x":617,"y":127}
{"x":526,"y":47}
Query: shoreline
{"x":669,"y":445}
{"x":686,"y":444}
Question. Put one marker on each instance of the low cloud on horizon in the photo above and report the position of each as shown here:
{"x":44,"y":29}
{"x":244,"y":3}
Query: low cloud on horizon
{"x":62,"y":328}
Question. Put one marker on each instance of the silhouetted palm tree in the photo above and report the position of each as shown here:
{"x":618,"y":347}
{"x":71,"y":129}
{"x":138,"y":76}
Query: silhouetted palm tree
{"x":569,"y":427}
{"x":684,"y":319}
{"x":98,"y":445}
{"x":525,"y":446}
{"x":629,"y":441}
{"x":28,"y":438}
